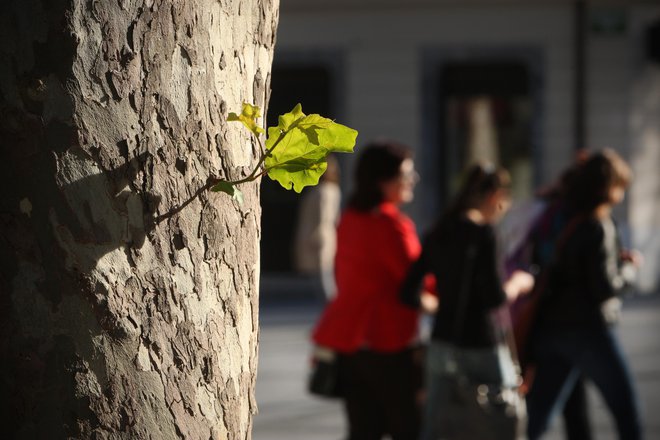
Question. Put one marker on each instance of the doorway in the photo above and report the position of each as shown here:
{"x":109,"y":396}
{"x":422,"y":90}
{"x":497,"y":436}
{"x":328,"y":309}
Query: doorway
{"x":485,"y":116}
{"x":313,"y":85}
{"x":481,"y":105}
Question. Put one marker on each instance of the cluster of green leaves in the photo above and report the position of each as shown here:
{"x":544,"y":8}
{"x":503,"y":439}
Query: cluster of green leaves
{"x":295,"y":151}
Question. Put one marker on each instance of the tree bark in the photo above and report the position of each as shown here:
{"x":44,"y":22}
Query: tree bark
{"x":113,"y":113}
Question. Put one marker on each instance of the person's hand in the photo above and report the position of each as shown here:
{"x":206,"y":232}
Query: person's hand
{"x":611,"y":310}
{"x":429,"y":302}
{"x":632,"y":256}
{"x":519,"y":282}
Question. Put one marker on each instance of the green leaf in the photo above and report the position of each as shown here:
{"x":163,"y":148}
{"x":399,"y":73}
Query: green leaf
{"x":248,"y":117}
{"x":335,"y":137}
{"x":288,"y":119}
{"x":229,"y":188}
{"x":299,"y":173}
{"x":298,"y":147}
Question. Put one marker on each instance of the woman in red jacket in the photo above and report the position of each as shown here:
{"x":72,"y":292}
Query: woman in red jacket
{"x":373,"y":333}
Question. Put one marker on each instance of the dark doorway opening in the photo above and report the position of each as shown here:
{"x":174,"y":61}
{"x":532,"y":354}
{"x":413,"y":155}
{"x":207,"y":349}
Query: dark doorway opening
{"x":485,"y":114}
{"x":312,"y":86}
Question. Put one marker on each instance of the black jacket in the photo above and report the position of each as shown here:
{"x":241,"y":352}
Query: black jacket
{"x":462,"y":256}
{"x":586,"y":273}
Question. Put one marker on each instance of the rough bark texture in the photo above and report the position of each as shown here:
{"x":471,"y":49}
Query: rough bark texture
{"x":113,"y":112}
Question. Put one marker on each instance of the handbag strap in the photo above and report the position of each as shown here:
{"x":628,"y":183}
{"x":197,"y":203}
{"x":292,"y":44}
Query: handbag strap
{"x":540,"y":290}
{"x":464,"y":291}
{"x":560,"y":243}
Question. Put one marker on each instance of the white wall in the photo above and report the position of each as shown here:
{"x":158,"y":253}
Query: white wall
{"x":383,"y":53}
{"x":643,"y":123}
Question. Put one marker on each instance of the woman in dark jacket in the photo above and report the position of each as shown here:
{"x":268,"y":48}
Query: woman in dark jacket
{"x":573,"y":332}
{"x":460,"y":251}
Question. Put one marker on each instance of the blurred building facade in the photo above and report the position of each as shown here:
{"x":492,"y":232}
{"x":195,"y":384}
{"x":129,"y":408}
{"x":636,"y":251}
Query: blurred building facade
{"x":523,"y":83}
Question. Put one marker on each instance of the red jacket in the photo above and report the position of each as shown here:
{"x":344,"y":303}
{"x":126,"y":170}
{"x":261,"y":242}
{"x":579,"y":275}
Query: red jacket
{"x":374,"y":252}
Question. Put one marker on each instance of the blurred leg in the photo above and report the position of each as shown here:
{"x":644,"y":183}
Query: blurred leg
{"x":363,"y":410}
{"x":399,"y":385}
{"x":606,"y":366}
{"x":380,"y":395}
{"x":553,"y":380}
{"x":438,"y":387}
{"x":576,"y":413}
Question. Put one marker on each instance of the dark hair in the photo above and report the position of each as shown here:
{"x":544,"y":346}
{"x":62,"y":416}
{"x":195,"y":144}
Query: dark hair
{"x":557,"y":190}
{"x":592,"y":180}
{"x":379,"y":162}
{"x":480,"y":181}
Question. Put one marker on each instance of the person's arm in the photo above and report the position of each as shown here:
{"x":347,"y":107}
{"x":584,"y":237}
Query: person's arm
{"x":628,"y":262}
{"x":594,"y":254}
{"x":518,"y":283}
{"x":398,"y":247}
{"x":419,"y":289}
{"x":487,"y":278}
{"x":611,"y":271}
{"x":430,"y":298}
{"x":411,"y":288}
{"x":604,"y":279}
{"x":403,"y":261}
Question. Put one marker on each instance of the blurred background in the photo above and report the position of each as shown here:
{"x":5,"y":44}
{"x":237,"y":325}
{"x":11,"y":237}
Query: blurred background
{"x":522,"y":83}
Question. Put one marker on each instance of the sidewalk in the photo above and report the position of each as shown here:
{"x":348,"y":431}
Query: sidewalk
{"x":287,"y":412}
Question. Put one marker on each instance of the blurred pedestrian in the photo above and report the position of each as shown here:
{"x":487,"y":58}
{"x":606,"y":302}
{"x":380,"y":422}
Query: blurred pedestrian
{"x":316,"y":231}
{"x":373,"y":333}
{"x":533,"y":252}
{"x":461,"y":252}
{"x":573,"y":331}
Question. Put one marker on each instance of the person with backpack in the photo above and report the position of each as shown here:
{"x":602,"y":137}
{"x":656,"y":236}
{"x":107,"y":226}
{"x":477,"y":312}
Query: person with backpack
{"x":534,"y":241}
{"x":573,"y":332}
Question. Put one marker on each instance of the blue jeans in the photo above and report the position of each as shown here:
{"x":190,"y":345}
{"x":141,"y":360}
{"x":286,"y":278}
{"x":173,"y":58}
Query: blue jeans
{"x":561,"y":355}
{"x":443,"y":362}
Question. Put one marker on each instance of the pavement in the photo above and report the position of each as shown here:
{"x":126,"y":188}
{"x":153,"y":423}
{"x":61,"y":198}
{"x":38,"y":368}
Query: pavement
{"x":288,"y":412}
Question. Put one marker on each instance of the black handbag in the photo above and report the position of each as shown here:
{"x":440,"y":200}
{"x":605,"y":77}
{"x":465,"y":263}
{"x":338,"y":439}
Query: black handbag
{"x":481,"y":411}
{"x":324,"y":374}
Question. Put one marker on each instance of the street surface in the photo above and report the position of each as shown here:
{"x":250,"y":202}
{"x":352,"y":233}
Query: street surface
{"x":287,"y":412}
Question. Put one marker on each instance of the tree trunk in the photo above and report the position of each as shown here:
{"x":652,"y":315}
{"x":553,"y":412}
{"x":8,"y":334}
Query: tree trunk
{"x":112,"y":113}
